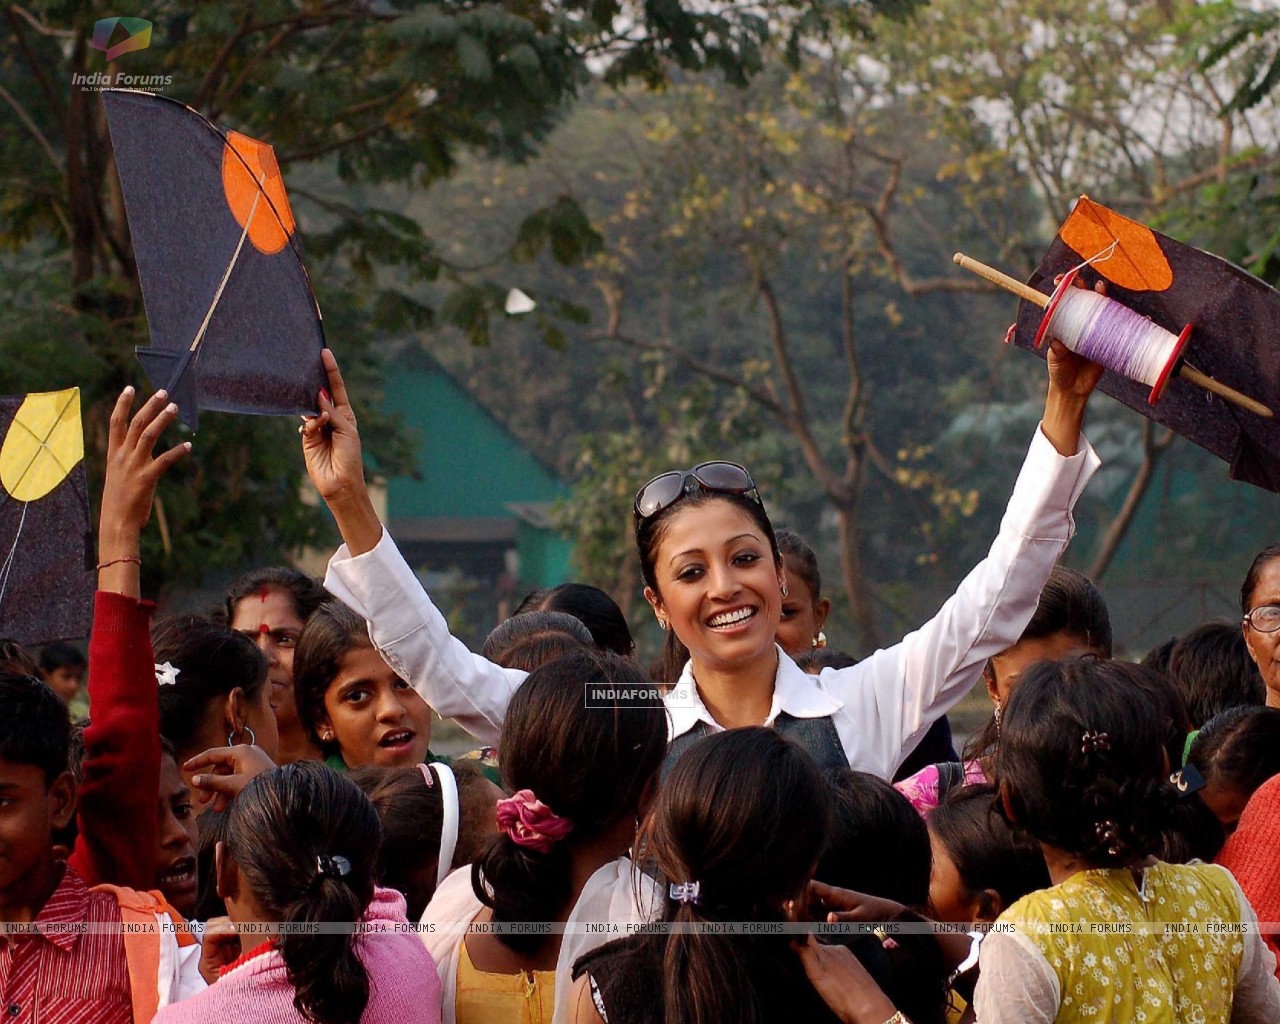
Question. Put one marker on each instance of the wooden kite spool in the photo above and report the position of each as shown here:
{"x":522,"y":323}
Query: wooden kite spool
{"x":1154,"y":366}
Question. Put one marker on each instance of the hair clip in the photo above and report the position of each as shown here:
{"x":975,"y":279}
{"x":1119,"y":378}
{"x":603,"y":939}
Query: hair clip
{"x":686,"y":892}
{"x":886,"y":940}
{"x":1091,"y":741}
{"x":1188,"y":780}
{"x":1107,"y":832}
{"x":167,"y":674}
{"x":333,"y":867}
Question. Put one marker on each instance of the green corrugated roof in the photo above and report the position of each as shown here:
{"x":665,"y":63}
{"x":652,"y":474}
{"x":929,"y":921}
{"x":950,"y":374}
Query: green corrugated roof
{"x":470,"y":465}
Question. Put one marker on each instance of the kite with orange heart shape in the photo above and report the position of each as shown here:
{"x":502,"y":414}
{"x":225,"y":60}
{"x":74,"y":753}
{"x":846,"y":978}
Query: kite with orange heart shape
{"x":1227,"y":319}
{"x":234,"y":322}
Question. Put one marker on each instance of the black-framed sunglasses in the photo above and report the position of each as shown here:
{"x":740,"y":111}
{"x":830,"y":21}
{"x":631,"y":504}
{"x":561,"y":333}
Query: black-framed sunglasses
{"x":717,"y":477}
{"x":1265,"y":618}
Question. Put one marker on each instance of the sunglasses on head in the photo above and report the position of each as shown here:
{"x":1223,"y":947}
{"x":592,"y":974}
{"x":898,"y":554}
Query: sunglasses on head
{"x":666,"y":489}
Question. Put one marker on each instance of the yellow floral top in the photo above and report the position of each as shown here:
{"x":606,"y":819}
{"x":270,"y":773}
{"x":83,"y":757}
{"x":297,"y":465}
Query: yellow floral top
{"x":485,"y":998}
{"x":1177,"y":949}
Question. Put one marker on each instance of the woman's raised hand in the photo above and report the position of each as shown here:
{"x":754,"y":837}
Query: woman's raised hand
{"x":331,"y":449}
{"x":1072,"y":379}
{"x":331,"y":442}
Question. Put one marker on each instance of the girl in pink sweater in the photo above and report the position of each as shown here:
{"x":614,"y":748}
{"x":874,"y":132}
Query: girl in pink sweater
{"x":300,"y":849}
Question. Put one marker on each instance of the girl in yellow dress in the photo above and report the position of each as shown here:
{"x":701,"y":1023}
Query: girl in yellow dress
{"x":1120,"y":936}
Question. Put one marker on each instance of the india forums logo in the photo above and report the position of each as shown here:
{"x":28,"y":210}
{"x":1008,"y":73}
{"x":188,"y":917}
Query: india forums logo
{"x":137,"y":36}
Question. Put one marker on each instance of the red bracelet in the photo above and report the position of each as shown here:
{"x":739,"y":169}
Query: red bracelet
{"x":115,"y":561}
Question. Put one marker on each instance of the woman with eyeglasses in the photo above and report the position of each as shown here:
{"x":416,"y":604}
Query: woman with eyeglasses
{"x":716,"y":582}
{"x":1260,"y":603}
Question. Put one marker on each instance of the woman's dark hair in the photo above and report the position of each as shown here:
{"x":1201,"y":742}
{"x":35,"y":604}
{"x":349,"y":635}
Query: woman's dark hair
{"x":986,"y":851}
{"x":649,"y":534}
{"x":791,"y":543}
{"x":306,"y":592}
{"x":1212,"y":668}
{"x":745,"y":815}
{"x":332,"y":631}
{"x":878,"y":843}
{"x":1081,"y":760}
{"x":824,"y":657}
{"x":1158,"y":657}
{"x":1171,"y":711}
{"x":1069,"y":603}
{"x":588,"y":756}
{"x":529,"y":639}
{"x":211,"y":660}
{"x":412,"y":815}
{"x":1240,"y":748}
{"x":589,"y":605}
{"x":1250,"y":584}
{"x":35,"y":728}
{"x":279,"y":827}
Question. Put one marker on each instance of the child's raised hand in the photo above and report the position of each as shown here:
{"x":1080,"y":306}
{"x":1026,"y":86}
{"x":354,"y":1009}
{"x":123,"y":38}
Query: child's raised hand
{"x":828,"y":903}
{"x":219,"y":946}
{"x":130,"y":486}
{"x":229,"y":770}
{"x":844,"y":984}
{"x":132,"y":474}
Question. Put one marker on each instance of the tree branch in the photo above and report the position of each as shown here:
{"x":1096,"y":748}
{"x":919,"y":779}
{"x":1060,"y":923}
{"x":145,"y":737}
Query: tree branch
{"x":762,"y":398}
{"x":1152,"y":449}
{"x":879,"y":214}
{"x":51,"y":95}
{"x":33,"y":128}
{"x":329,"y":147}
{"x":207,"y":84}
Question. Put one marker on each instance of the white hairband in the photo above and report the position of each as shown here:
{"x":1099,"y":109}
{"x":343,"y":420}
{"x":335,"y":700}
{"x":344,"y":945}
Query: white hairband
{"x":450,"y":811}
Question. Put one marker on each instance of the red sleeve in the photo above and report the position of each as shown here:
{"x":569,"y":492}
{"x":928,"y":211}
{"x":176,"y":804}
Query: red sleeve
{"x":116,"y":811}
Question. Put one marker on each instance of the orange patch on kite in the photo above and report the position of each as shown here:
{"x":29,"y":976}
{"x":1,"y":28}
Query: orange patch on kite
{"x":245,"y":163}
{"x":1138,"y":262}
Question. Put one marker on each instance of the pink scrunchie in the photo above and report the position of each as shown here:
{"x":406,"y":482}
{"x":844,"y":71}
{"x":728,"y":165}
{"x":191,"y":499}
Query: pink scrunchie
{"x":529,"y":822}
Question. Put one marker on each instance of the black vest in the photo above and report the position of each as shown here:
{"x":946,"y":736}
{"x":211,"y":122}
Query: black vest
{"x":816,"y":735}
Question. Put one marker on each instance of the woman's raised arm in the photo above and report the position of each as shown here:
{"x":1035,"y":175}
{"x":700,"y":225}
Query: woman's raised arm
{"x":371,"y":577}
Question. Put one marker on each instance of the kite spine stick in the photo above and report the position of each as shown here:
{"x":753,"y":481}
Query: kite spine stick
{"x":235,"y":258}
{"x":1010,"y":284}
{"x":1187,"y":373}
{"x":1233,"y":396}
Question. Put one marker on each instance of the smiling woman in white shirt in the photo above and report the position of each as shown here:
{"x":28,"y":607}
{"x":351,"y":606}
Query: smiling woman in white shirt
{"x":714,"y":578}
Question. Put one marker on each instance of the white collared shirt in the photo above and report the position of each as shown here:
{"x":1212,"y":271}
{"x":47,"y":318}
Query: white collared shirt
{"x":881,"y":707}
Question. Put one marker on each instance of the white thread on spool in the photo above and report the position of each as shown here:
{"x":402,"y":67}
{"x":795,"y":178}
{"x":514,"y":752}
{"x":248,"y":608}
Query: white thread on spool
{"x":1128,"y":342}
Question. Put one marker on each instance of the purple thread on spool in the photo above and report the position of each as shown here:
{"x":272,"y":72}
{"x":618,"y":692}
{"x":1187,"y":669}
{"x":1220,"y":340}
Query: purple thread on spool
{"x":1106,"y":332}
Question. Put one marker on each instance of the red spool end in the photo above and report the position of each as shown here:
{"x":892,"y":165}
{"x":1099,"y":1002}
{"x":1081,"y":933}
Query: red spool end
{"x":1167,"y":373}
{"x":1053,"y":304}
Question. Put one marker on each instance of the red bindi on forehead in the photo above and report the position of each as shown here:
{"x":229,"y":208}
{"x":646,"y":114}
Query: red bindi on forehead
{"x":264,"y":629}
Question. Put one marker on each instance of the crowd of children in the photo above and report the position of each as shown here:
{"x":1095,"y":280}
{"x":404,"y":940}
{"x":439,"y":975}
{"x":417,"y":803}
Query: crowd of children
{"x":249,"y":824}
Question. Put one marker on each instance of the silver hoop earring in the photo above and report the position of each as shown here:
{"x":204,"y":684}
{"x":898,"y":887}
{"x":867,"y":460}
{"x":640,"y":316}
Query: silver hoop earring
{"x":231,"y":736}
{"x":785,"y":591}
{"x":663,"y":624}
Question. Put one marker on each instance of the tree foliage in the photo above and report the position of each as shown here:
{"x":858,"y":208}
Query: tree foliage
{"x":352,"y":95}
